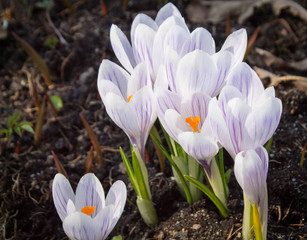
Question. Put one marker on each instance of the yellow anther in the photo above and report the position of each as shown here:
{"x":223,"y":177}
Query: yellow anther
{"x":193,"y":122}
{"x":128,"y":99}
{"x":88,"y":210}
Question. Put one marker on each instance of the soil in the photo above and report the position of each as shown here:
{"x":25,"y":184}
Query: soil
{"x":27,"y":209}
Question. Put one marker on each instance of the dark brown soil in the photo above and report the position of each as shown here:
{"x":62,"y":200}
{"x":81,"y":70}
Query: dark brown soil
{"x":27,"y":210}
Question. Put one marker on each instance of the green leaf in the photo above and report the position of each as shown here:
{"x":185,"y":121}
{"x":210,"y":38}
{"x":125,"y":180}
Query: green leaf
{"x":44,"y":4}
{"x":17,"y":130}
{"x":130,"y":172}
{"x":119,"y":237}
{"x":4,"y":131}
{"x":210,"y":195}
{"x":184,"y":183}
{"x":227,"y":176}
{"x":24,"y":125}
{"x":12,"y":120}
{"x":57,"y":102}
{"x":139,"y":177}
{"x":51,"y":42}
{"x":269,"y":144}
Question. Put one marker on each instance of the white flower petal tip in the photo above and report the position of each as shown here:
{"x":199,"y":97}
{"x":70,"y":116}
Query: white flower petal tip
{"x":88,"y":215}
{"x":251,"y":168}
{"x":167,"y":11}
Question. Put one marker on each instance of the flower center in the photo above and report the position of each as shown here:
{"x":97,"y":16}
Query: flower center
{"x":193,"y":122}
{"x":88,"y":210}
{"x":128,"y":99}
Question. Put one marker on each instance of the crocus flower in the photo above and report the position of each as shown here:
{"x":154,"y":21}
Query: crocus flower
{"x":251,"y":169}
{"x":87,"y":214}
{"x":142,"y":33}
{"x":173,"y":40}
{"x":129,"y":100}
{"x":184,"y":118}
{"x":246,"y":115}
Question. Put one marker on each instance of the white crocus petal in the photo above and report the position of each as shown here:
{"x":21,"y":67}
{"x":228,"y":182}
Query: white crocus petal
{"x":267,"y":93}
{"x":89,"y":192}
{"x":106,"y":86}
{"x":114,"y":73}
{"x":237,"y":113}
{"x":61,"y":193}
{"x":251,"y":171}
{"x":165,"y":100}
{"x":142,"y":19}
{"x":174,"y":124}
{"x":116,"y":197}
{"x":122,"y":48}
{"x":228,"y":93}
{"x":247,"y":81}
{"x":176,"y":37}
{"x":79,"y":226}
{"x":143,"y":45}
{"x":104,"y":222}
{"x":195,"y":105}
{"x":161,"y":82}
{"x":199,"y":146}
{"x":263,"y":120}
{"x":219,"y":127}
{"x":223,"y":61}
{"x":70,"y":208}
{"x":139,"y":78}
{"x":167,"y":11}
{"x":196,"y":72}
{"x":201,"y":39}
{"x":122,"y":114}
{"x":170,"y":62}
{"x":236,"y":43}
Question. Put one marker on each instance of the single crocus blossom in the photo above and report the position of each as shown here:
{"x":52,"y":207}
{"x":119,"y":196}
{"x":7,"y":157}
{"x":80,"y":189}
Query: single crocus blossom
{"x":129,"y":100}
{"x":184,"y":119}
{"x":251,"y":169}
{"x":143,"y":30}
{"x":246,"y":115}
{"x":87,"y":214}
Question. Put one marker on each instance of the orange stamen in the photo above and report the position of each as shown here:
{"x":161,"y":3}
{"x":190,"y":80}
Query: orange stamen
{"x":193,"y":122}
{"x":128,"y":99}
{"x":88,"y":210}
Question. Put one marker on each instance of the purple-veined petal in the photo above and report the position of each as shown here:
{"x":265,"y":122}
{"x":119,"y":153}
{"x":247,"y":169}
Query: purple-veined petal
{"x":201,"y":39}
{"x":195,"y":105}
{"x":196,"y":72}
{"x":236,"y":43}
{"x":228,"y":92}
{"x":219,"y":127}
{"x":142,"y":19}
{"x":199,"y":146}
{"x":122,"y":48}
{"x":247,"y":81}
{"x":161,"y":82}
{"x":61,"y":193}
{"x":139,"y":78}
{"x":263,"y":120}
{"x":175,"y":38}
{"x":263,"y":155}
{"x":237,"y":113}
{"x":167,"y":11}
{"x":117,"y":196}
{"x":106,"y":86}
{"x":104,"y":222}
{"x":79,"y":226}
{"x":250,"y":174}
{"x":89,"y":192}
{"x":114,"y":73}
{"x":143,"y":45}
{"x":223,"y":61}
{"x":171,"y":61}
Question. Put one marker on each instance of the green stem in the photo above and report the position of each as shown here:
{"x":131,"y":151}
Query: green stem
{"x":147,"y":211}
{"x":257,"y":223}
{"x":247,"y":218}
{"x":223,"y":210}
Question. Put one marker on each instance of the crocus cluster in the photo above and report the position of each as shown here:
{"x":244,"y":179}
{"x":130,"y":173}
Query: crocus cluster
{"x":205,"y":100}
